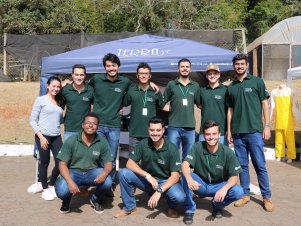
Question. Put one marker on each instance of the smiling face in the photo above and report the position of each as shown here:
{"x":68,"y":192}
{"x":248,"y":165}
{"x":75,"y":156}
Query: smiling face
{"x":184,"y":69}
{"x":211,"y":136}
{"x":78,"y":76}
{"x":212,"y":76}
{"x":240,"y":67}
{"x":90,"y":125}
{"x":143,"y":75}
{"x":54,"y":87}
{"x":111,"y":68}
{"x":156,"y":131}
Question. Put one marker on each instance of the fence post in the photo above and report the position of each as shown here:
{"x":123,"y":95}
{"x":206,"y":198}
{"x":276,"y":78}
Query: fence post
{"x":5,"y":54}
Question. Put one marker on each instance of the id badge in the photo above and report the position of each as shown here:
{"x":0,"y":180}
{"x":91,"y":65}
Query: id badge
{"x":144,"y":111}
{"x":185,"y":102}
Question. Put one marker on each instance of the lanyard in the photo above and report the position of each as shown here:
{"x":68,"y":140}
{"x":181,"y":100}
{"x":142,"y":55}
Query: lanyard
{"x":184,"y":94}
{"x":209,"y":167}
{"x":143,"y":98}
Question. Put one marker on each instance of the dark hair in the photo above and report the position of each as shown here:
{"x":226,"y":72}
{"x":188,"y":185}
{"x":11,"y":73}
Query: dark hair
{"x":80,"y":66}
{"x":90,"y":114}
{"x":184,"y":60}
{"x":143,"y":65}
{"x":208,"y":124}
{"x":58,"y":97}
{"x":111,"y":57}
{"x":156,"y":120}
{"x":240,"y":56}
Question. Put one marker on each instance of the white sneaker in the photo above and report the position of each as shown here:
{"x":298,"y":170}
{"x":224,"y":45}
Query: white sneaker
{"x":278,"y":159}
{"x":35,"y":188}
{"x":47,"y":195}
{"x":52,"y":189}
{"x":289,"y":161}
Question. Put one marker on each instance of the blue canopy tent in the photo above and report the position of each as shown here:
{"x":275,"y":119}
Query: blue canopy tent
{"x":161,"y":53}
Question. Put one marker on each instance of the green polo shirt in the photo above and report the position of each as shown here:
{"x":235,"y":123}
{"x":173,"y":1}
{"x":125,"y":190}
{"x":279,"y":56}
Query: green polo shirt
{"x":81,"y":157}
{"x":245,"y":98}
{"x":139,"y":99}
{"x":108,"y":97}
{"x":159,"y":163}
{"x":181,"y":115}
{"x":213,"y":106}
{"x":213,"y":168}
{"x":77,"y":105}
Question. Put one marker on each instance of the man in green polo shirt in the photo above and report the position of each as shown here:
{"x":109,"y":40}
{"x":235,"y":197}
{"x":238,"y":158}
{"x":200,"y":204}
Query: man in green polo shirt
{"x":247,"y":101}
{"x":144,"y":102}
{"x":215,"y":173}
{"x":152,"y":167}
{"x":181,"y":93}
{"x":212,"y":102}
{"x":79,"y":163}
{"x":78,"y":97}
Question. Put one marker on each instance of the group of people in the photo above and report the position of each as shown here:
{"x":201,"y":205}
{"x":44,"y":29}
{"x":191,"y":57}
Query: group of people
{"x":159,"y":162}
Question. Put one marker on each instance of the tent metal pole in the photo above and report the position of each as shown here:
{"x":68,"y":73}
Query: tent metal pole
{"x":5,"y":54}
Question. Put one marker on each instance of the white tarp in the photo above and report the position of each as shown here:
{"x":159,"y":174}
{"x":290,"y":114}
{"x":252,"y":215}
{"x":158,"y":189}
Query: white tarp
{"x":293,"y":73}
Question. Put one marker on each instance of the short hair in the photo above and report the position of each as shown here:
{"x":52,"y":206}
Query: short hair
{"x":208,"y":124}
{"x":111,"y":57}
{"x":184,"y":60}
{"x":240,"y":56}
{"x":80,"y":66}
{"x":156,"y":120}
{"x":90,"y":114}
{"x":143,"y":65}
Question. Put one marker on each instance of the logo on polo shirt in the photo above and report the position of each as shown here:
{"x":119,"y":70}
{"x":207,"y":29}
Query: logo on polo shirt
{"x":178,"y":163}
{"x":160,"y":161}
{"x":237,"y":168}
{"x":118,"y":90}
{"x":150,"y":99}
{"x":218,"y":97}
{"x":95,"y":153}
{"x":219,"y":167}
{"x":248,"y":90}
{"x":191,"y":93}
{"x":85,"y":99}
{"x":189,"y":157}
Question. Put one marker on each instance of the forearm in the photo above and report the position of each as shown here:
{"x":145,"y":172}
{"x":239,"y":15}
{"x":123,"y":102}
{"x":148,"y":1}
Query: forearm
{"x":231,"y":182}
{"x":186,"y":170}
{"x":173,"y":179}
{"x":64,"y":171}
{"x":229,"y":119}
{"x":266,"y":112}
{"x":107,"y":169}
{"x":133,"y":166}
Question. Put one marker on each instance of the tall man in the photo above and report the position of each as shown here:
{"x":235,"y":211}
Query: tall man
{"x":144,"y":103}
{"x":181,"y":94}
{"x":215,"y":174}
{"x":152,"y":167}
{"x":212,"y":102}
{"x":78,"y":97}
{"x":80,"y":160}
{"x":247,"y":101}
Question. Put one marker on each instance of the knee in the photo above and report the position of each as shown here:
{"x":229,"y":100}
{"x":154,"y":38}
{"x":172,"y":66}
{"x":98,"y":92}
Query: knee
{"x":107,"y":184}
{"x":61,"y":188}
{"x":123,"y":173}
{"x":237,"y":191}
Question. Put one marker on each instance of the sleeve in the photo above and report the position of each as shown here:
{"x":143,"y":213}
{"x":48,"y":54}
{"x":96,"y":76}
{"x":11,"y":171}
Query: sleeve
{"x":126,"y":100}
{"x":34,"y":117}
{"x":262,"y":90}
{"x":159,"y":100}
{"x":106,"y":154}
{"x":91,"y":81}
{"x":228,"y":99}
{"x":136,"y":155}
{"x":234,"y":167}
{"x":166,"y":94}
{"x":191,"y":156}
{"x":175,"y":162}
{"x":65,"y":151}
{"x":198,"y":96}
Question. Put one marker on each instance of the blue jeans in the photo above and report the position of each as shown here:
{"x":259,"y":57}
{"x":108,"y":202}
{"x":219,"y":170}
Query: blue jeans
{"x":209,"y":190}
{"x":83,"y":179}
{"x":186,"y":135}
{"x":252,"y":143}
{"x":222,"y":139}
{"x":112,"y":135}
{"x":129,"y":180}
{"x":68,"y":134}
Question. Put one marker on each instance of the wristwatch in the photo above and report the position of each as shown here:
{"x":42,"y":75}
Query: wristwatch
{"x":159,"y":189}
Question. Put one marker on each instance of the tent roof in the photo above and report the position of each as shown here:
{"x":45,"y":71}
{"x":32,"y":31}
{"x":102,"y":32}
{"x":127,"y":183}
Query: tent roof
{"x":287,"y":31}
{"x":293,"y":73}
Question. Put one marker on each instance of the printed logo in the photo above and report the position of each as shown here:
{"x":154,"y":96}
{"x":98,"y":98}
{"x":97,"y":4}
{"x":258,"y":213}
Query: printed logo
{"x":218,"y":97}
{"x":85,"y":99}
{"x":150,"y":99}
{"x":160,"y":161}
{"x":178,"y":163}
{"x":248,"y":90}
{"x":219,"y":167}
{"x":95,"y":153}
{"x":237,"y":167}
{"x":189,"y":157}
{"x":118,"y":90}
{"x":191,"y":93}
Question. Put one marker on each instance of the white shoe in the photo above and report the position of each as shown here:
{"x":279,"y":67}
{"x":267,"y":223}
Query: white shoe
{"x":52,"y":189}
{"x":35,"y":188}
{"x":289,"y":161}
{"x":47,"y":195}
{"x":278,"y":159}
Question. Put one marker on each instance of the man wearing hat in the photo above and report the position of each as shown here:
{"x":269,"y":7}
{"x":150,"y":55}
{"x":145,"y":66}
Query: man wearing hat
{"x":212,"y":102}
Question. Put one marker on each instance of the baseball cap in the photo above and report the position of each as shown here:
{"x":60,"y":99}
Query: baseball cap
{"x":212,"y":66}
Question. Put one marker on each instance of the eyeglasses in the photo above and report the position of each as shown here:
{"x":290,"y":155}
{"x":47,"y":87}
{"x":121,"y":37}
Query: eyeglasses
{"x":143,"y":73}
{"x":91,"y":123}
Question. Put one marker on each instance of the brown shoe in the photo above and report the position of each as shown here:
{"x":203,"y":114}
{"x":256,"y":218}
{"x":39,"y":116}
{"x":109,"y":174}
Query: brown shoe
{"x":241,"y":202}
{"x":268,"y":205}
{"x":172,"y":213}
{"x":84,"y":192}
{"x":124,"y":213}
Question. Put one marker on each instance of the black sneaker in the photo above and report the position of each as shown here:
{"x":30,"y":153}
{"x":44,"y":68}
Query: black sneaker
{"x":217,"y":213}
{"x":188,"y":218}
{"x":97,"y":207}
{"x":65,"y":208}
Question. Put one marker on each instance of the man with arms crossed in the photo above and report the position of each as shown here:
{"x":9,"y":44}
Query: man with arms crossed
{"x":215,"y":174}
{"x":247,"y":101}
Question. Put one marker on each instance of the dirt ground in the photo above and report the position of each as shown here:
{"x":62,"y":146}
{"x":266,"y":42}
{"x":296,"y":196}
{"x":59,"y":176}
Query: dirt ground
{"x":17,"y":207}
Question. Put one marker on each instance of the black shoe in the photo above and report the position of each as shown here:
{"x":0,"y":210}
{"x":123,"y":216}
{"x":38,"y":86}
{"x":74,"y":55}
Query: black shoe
{"x":217,"y":213}
{"x":188,"y":218}
{"x":65,"y":208}
{"x":110,"y":193}
{"x":97,"y":207}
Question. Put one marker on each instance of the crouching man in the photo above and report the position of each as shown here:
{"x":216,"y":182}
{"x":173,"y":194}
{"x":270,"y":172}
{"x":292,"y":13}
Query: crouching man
{"x":80,"y":158}
{"x":215,"y":174}
{"x":152,"y":167}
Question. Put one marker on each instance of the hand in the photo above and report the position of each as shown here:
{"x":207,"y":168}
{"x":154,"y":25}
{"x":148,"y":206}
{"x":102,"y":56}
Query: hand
{"x":193,"y":185}
{"x":266,"y":134}
{"x":153,"y":201}
{"x":152,"y":181}
{"x":220,"y":195}
{"x":100,"y":178}
{"x":229,"y":137}
{"x":44,"y":143}
{"x":121,"y":112}
{"x":154,"y":87}
{"x":73,"y":188}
